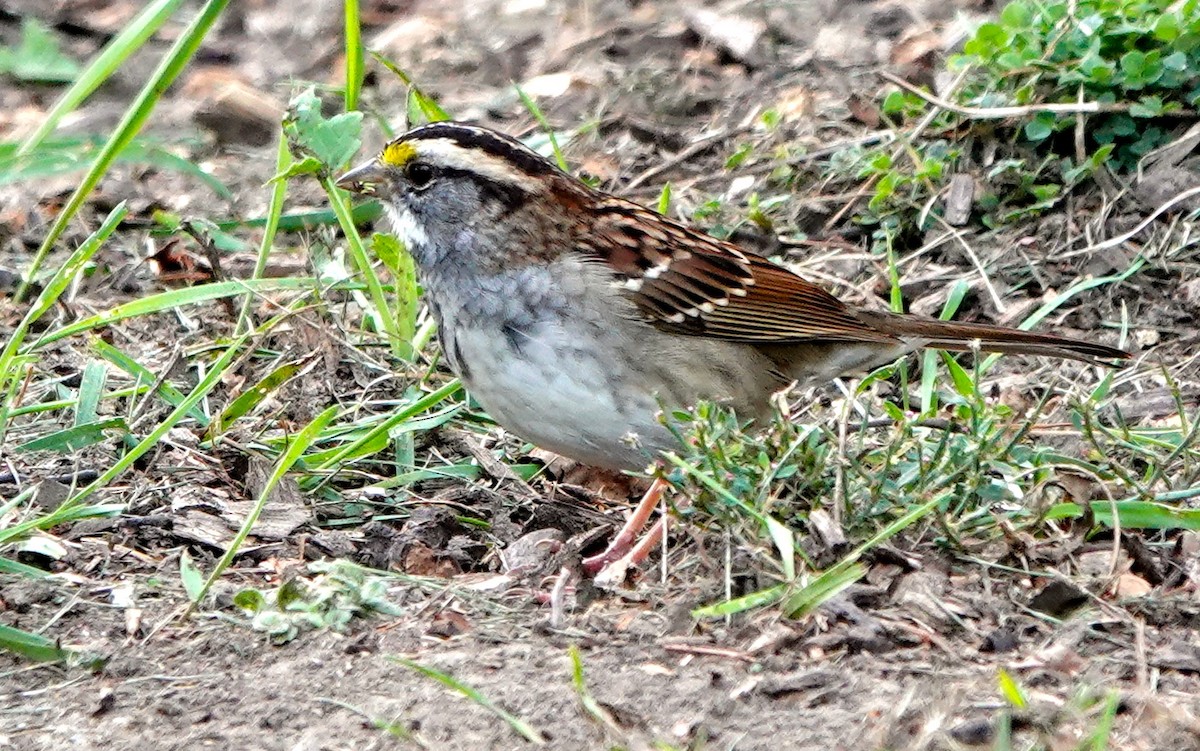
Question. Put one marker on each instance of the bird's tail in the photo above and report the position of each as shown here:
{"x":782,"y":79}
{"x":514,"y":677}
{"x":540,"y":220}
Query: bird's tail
{"x":962,"y":337}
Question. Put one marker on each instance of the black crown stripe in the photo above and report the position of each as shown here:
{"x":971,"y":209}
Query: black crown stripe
{"x":489,"y":142}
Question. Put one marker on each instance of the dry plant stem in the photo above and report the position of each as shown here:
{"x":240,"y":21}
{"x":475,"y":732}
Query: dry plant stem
{"x":176,"y":358}
{"x":861,"y":193}
{"x":1113,"y":242}
{"x":623,"y":542}
{"x":708,"y":650}
{"x":685,"y":154}
{"x":970,"y":252}
{"x":840,"y":497}
{"x":1000,"y":113}
{"x":1141,"y":669}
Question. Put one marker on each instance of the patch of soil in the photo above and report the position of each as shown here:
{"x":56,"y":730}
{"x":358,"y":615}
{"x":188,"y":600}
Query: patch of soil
{"x":849,"y":680}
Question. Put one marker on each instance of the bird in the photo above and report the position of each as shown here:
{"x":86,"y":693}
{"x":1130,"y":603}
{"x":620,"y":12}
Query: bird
{"x":574,"y":316}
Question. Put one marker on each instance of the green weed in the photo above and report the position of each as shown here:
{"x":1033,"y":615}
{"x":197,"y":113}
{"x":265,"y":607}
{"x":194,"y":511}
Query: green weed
{"x":337,"y":593}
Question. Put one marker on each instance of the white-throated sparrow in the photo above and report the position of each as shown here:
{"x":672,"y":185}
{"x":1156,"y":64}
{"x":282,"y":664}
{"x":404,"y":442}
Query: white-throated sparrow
{"x":571,"y":314}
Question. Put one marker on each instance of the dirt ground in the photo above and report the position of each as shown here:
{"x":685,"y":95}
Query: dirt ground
{"x":908,"y":659}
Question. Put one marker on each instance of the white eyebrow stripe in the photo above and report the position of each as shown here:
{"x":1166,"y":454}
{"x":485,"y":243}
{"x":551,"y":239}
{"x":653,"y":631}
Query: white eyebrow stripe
{"x":445,"y":152}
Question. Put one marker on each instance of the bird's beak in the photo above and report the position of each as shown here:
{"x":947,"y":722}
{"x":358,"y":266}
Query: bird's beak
{"x":363,"y":178}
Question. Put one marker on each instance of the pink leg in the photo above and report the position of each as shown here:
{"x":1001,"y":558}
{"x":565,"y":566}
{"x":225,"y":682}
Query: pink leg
{"x":623,"y":542}
{"x":648,"y":543}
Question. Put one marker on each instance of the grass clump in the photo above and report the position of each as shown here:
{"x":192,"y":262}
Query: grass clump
{"x":126,"y":401}
{"x":964,"y":471}
{"x":1138,"y":60}
{"x":1041,"y":99}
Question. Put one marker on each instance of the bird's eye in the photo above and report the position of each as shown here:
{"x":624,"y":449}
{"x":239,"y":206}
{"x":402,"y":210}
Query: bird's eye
{"x":419,"y":174}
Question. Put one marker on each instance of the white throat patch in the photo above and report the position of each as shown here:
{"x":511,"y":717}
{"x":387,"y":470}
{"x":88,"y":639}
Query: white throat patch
{"x":406,"y":227}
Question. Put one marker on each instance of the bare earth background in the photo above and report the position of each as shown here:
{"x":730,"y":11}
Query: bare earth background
{"x":910,"y":661}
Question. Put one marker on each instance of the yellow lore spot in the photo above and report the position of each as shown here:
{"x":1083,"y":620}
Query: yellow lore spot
{"x":398,"y":153}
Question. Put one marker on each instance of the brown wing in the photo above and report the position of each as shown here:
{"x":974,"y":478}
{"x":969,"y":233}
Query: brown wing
{"x":690,"y":283}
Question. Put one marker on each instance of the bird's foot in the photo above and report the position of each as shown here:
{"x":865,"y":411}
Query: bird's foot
{"x":622,"y":553}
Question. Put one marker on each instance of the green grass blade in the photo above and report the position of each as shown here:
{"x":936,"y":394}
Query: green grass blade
{"x":371,"y":439}
{"x":61,"y":156}
{"x":404,"y":279}
{"x":72,"y":439}
{"x":428,"y":106}
{"x":455,"y":471}
{"x":752,"y":601}
{"x":902,"y":522}
{"x":964,"y":382}
{"x":8,"y":393}
{"x":303,"y":221}
{"x":929,"y":358}
{"x":664,"y":199}
{"x":522,"y":728}
{"x":354,"y":55}
{"x":383,"y":429}
{"x":38,"y":57}
{"x":31,"y":646}
{"x":1104,"y":725}
{"x":55,"y":287}
{"x":91,"y":388}
{"x":9,"y":566}
{"x":928,"y":388}
{"x":1087,"y":284}
{"x":98,"y":510}
{"x":588,"y":702}
{"x":822,"y":589}
{"x":785,"y":543}
{"x":1004,"y":732}
{"x":156,"y":156}
{"x":283,"y":160}
{"x":65,"y":511}
{"x":60,"y":515}
{"x":1011,"y":690}
{"x":536,"y":111}
{"x":120,"y":47}
{"x":173,"y":299}
{"x":846,"y":571}
{"x":253,"y":396}
{"x":1061,"y":298}
{"x":779,"y":533}
{"x":391,"y":727}
{"x":1132,"y":514}
{"x":169,"y":393}
{"x":958,"y":293}
{"x":401,"y":348}
{"x":298,"y":445}
{"x":135,"y":117}
{"x":190,"y":576}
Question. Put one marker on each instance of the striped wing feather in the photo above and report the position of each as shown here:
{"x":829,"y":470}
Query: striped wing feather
{"x":691,"y":283}
{"x":687,"y":282}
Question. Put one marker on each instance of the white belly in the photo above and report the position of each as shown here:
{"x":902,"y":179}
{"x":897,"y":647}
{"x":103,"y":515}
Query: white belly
{"x":556,"y":395}
{"x":550,"y":368}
